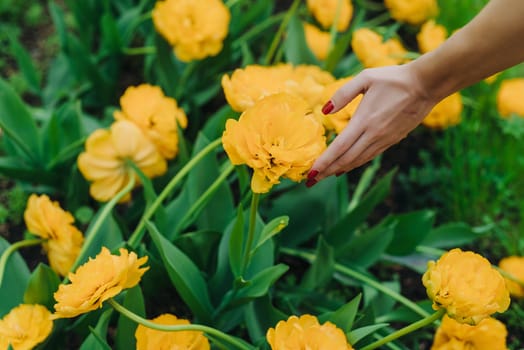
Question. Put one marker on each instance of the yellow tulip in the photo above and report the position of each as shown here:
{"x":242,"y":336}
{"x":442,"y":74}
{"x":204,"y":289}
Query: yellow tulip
{"x":46,"y":219}
{"x":98,"y":280}
{"x":277,"y":137}
{"x":195,"y":29}
{"x":151,"y":339}
{"x":305,"y":332}
{"x":25,"y":326}
{"x":155,"y":114}
{"x":466,"y":285}
{"x":488,"y":334}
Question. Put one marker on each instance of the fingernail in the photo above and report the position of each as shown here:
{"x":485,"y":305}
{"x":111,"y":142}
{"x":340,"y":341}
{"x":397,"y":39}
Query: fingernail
{"x":312,"y":174}
{"x":328,"y":107}
{"x":310,"y":183}
{"x":339,"y":173}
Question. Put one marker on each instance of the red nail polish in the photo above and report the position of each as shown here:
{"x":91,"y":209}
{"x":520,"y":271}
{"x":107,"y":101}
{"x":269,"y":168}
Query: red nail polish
{"x":312,"y":174}
{"x":328,"y":107}
{"x":339,"y":173}
{"x":310,"y":183}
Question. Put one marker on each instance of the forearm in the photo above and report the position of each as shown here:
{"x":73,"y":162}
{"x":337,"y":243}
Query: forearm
{"x":491,"y":42}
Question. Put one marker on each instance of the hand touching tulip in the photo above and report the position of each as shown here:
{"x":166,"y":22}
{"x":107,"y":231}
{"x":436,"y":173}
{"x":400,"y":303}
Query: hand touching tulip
{"x":397,"y":98}
{"x":394,"y":103}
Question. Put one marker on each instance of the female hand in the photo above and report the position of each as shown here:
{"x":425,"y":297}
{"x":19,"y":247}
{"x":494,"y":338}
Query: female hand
{"x":394,"y":103}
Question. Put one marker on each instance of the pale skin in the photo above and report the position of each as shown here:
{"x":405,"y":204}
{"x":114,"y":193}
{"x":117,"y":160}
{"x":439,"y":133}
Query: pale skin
{"x":397,"y":98}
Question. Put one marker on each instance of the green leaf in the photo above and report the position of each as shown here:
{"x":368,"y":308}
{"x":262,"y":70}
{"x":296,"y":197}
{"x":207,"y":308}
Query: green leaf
{"x":43,"y":283}
{"x":15,"y":280}
{"x":18,"y":124}
{"x":201,"y":246}
{"x":96,"y":340}
{"x":134,"y":302}
{"x":236,"y":243}
{"x":25,"y":64}
{"x":355,"y":335}
{"x":219,"y":209}
{"x":345,"y":228}
{"x":366,"y":248}
{"x":410,"y":229}
{"x":450,"y":235}
{"x":259,"y":285}
{"x":259,"y":316}
{"x":108,"y":235}
{"x":295,"y":46}
{"x":344,"y":317}
{"x":16,"y":168}
{"x":271,"y":229}
{"x":322,"y":268}
{"x":111,"y":42}
{"x":184,"y":275}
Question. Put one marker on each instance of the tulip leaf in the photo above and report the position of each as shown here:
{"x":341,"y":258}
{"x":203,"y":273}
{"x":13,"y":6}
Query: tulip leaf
{"x":295,"y":46}
{"x":219,"y":208}
{"x":450,"y":235}
{"x":260,"y":284}
{"x":95,"y":340}
{"x":343,"y":317}
{"x":18,"y":124}
{"x":365,"y":249}
{"x":271,"y":229}
{"x":322,"y":268}
{"x":345,"y":228}
{"x":259,"y":316}
{"x":14,"y":282}
{"x":357,"y":334}
{"x":201,"y":246}
{"x":134,"y":302}
{"x":185,"y":276}
{"x":410,"y":230}
{"x":24,"y":62}
{"x":43,"y":283}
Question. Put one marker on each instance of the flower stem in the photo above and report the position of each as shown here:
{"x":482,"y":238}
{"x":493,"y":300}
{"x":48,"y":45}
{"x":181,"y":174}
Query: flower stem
{"x":215,"y":333}
{"x":13,"y":248}
{"x":406,"y":330}
{"x":138,"y":233}
{"x":195,"y":208}
{"x":93,"y":230}
{"x":255,"y":198}
{"x":258,"y":29}
{"x":136,"y":51}
{"x":276,"y":39}
{"x":363,"y":278}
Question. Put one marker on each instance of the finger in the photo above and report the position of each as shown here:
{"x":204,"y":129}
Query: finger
{"x":340,"y":144}
{"x":346,"y":94}
{"x":353,"y":154}
{"x":366,"y":156}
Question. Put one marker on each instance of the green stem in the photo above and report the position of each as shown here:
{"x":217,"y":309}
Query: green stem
{"x":363,"y":278}
{"x":251,"y":232}
{"x":260,"y":28}
{"x":276,"y":40}
{"x":509,"y":276}
{"x":13,"y":248}
{"x":406,"y":330}
{"x":215,"y":333}
{"x":136,"y":51}
{"x":138,"y":233}
{"x":202,"y":200}
{"x":430,"y":250}
{"x":93,"y":230}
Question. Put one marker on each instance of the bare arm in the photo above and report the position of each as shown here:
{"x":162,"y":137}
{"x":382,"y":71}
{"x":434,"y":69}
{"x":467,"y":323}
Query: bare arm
{"x":491,"y":42}
{"x":397,"y":98}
